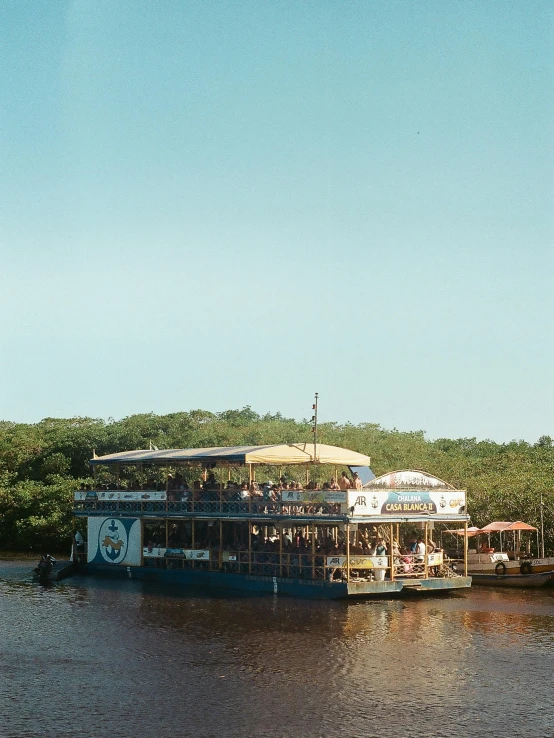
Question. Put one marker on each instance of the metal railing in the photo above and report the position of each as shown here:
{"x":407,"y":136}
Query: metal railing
{"x":422,"y":566}
{"x":205,"y":507}
{"x":261,"y":563}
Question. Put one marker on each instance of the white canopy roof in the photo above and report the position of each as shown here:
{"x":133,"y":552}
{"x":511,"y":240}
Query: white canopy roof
{"x":278,"y":455}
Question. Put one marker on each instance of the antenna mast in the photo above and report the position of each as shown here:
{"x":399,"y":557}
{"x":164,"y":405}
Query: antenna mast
{"x":314,"y":426}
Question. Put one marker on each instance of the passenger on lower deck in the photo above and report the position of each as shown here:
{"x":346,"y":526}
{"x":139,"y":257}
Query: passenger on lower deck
{"x":420,"y":550}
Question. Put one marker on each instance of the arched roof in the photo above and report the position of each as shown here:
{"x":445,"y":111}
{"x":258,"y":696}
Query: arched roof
{"x":407,"y":479}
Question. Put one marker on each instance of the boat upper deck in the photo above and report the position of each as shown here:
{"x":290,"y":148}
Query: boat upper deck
{"x":157,"y":486}
{"x":338,"y":506}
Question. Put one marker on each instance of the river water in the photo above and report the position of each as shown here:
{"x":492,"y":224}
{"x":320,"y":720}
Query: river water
{"x":121,"y":659}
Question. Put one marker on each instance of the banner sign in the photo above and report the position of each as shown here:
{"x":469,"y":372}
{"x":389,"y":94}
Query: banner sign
{"x":359,"y":562}
{"x":183,"y":553}
{"x":113,"y":541}
{"x":312,"y":496}
{"x":435,"y":558}
{"x":376,"y":562}
{"x":153,"y":553}
{"x":120,"y":495}
{"x":407,"y":502}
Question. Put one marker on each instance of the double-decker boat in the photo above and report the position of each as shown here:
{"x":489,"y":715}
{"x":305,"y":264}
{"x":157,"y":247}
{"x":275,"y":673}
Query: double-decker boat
{"x":198,"y":516}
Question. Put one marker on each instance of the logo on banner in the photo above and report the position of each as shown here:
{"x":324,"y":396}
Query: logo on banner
{"x":408,"y":502}
{"x":112,"y":541}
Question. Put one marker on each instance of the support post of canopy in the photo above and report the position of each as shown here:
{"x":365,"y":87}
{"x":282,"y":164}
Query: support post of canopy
{"x":313,"y":550}
{"x":465,"y":549}
{"x":250,"y":547}
{"x":280,"y":549}
{"x":192,"y":534}
{"x":220,"y":553}
{"x":426,"y":560}
{"x":348,"y":552}
{"x":391,"y":552}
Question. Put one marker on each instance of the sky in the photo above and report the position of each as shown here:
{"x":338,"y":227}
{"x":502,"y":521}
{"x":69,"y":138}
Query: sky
{"x":220,"y":204}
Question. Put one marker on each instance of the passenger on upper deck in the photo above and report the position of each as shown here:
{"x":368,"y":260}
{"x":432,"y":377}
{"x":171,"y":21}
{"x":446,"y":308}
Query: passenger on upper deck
{"x":344,"y":482}
{"x":356,"y":481}
{"x":210,"y":485}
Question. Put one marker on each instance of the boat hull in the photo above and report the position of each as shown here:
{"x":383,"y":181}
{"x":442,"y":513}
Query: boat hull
{"x":307,"y":588}
{"x":513,"y":580}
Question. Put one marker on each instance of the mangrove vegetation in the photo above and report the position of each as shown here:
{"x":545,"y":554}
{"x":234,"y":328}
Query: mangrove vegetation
{"x":42,"y":464}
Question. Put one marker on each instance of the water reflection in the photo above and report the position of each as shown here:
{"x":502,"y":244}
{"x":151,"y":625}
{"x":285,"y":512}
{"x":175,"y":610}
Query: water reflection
{"x":120,"y":657}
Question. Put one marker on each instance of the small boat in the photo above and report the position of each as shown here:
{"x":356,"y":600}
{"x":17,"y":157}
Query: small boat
{"x":50,"y":570}
{"x":506,"y":569}
{"x":44,"y":571}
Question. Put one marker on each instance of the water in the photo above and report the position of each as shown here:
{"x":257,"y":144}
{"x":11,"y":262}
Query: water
{"x":91,"y":657}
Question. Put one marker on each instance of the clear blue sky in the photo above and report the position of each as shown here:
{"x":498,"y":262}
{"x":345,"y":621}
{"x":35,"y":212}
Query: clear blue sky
{"x":218,"y":204}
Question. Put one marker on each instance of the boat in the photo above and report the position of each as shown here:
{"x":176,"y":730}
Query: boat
{"x":506,"y":568}
{"x":44,"y":570}
{"x":49,"y":570}
{"x":198,"y":516}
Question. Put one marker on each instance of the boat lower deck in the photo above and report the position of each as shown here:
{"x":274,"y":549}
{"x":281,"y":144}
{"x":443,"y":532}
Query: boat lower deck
{"x":309,"y":588}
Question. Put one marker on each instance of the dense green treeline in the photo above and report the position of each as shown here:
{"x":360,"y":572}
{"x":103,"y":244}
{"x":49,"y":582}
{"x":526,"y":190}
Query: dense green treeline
{"x":41,"y":464}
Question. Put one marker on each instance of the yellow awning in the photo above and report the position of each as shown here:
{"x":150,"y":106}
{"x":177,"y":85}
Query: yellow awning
{"x":303,"y":453}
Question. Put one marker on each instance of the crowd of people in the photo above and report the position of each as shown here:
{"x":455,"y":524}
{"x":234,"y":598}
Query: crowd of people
{"x":266,"y":546}
{"x":269,"y":497}
{"x":178,"y":488}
